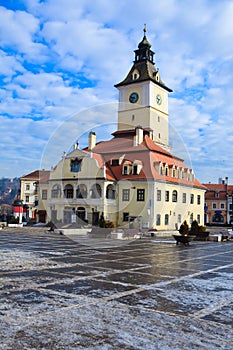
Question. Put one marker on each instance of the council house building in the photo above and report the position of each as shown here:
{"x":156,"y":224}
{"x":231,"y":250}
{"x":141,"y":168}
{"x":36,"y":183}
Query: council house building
{"x":133,"y":176}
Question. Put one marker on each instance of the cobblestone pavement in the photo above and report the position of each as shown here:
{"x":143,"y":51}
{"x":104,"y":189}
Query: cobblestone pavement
{"x":146,"y":294}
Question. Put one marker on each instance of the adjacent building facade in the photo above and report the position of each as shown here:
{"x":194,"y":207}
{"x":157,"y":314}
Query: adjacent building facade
{"x":29,"y":193}
{"x":133,"y":177}
{"x":218,"y":203}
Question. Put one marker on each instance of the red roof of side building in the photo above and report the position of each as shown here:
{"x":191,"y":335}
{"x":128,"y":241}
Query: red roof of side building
{"x":218,"y":187}
{"x":218,"y":191}
{"x":36,"y":175}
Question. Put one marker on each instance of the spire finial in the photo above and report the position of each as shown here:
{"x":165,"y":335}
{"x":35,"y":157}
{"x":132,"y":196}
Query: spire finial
{"x":144,"y":29}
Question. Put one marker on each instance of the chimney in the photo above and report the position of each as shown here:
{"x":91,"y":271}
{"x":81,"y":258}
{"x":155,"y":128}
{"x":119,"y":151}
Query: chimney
{"x":91,"y":140}
{"x":75,"y":146}
{"x":138,"y":138}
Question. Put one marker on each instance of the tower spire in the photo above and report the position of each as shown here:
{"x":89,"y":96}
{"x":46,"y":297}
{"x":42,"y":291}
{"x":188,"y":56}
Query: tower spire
{"x":144,"y":51}
{"x":144,"y":29}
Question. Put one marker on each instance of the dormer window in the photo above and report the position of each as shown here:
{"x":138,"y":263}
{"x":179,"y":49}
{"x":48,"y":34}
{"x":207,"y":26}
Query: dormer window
{"x":115,"y":162}
{"x":157,"y":76}
{"x":135,"y":74}
{"x":126,"y":168}
{"x":173,"y":173}
{"x":137,"y":166}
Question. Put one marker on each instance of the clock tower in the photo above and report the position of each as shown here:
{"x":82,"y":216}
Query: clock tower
{"x":143,"y":97}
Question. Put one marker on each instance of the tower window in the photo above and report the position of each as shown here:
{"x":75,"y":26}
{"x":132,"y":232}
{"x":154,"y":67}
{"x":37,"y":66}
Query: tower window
{"x":135,"y":75}
{"x":133,"y":117}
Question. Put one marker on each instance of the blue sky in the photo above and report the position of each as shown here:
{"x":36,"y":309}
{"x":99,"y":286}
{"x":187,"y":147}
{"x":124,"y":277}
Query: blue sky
{"x":60,"y":59}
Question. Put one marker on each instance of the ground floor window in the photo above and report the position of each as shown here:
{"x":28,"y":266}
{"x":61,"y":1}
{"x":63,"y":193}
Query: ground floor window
{"x":166,"y":220}
{"x":191,"y":218}
{"x":158,"y":219}
{"x":179,"y":218}
{"x":125,"y":217}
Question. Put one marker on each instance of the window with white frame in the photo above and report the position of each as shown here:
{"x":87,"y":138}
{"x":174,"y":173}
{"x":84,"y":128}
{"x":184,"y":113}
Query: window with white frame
{"x":158,"y":195}
{"x":191,"y":218}
{"x":191,"y":198}
{"x":184,"y":196}
{"x":125,"y":195}
{"x":174,"y":196}
{"x":44,"y":194}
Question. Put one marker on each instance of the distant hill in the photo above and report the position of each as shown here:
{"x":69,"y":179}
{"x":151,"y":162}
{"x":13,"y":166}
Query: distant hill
{"x":9,"y":189}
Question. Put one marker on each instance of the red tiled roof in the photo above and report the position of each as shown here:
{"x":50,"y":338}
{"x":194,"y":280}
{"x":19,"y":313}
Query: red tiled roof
{"x":148,"y":153}
{"x":218,"y":187}
{"x":36,"y":175}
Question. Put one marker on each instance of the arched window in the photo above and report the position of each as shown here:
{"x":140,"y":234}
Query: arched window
{"x":81,"y":191}
{"x":56,"y":191}
{"x":110,"y":192}
{"x":174,"y":196}
{"x":68,"y":191}
{"x":96,"y":191}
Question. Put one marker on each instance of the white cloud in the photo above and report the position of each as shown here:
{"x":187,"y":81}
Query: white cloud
{"x":18,"y":30}
{"x":62,"y":56}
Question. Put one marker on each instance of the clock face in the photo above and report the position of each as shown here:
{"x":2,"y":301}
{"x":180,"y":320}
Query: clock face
{"x":158,"y":99}
{"x":133,"y":98}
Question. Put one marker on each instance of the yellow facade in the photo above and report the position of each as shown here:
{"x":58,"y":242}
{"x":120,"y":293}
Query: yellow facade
{"x":132,"y":179}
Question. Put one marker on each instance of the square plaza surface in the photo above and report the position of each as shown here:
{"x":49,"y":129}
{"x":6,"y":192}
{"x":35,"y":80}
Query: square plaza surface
{"x":57,"y":293}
